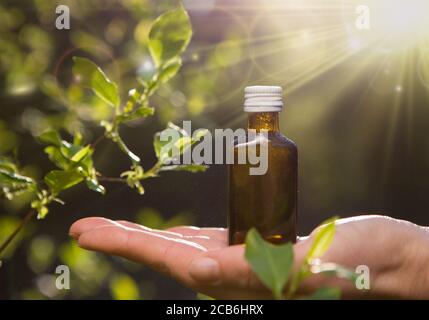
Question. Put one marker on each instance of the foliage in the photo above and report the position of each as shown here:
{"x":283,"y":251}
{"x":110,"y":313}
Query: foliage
{"x":273,"y":264}
{"x":74,"y":159}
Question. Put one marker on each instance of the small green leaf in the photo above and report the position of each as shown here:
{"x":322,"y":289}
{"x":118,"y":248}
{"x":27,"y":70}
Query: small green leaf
{"x":91,"y":76}
{"x":61,"y":180}
{"x":169,"y":36}
{"x":77,"y":139}
{"x":181,"y":146}
{"x":169,"y":70}
{"x":157,"y":145}
{"x":136,"y":114}
{"x":162,"y":153}
{"x":42,"y":212}
{"x":325,"y":294}
{"x":55,"y":155}
{"x":271,"y":263}
{"x":9,"y":178}
{"x":7,"y":165}
{"x":178,"y":142}
{"x":94,"y":185}
{"x":50,"y":87}
{"x":186,"y":167}
{"x":51,"y":137}
{"x":322,"y":239}
{"x":81,"y":154}
{"x":199,"y":134}
{"x":181,"y":131}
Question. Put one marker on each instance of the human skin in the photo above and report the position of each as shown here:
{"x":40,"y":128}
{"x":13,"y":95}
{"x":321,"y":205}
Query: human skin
{"x":396,"y":252}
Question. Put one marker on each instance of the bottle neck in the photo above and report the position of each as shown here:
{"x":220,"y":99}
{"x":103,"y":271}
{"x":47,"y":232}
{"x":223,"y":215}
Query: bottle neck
{"x":263,"y":121}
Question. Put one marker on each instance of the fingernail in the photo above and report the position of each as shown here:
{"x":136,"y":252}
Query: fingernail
{"x":205,"y":270}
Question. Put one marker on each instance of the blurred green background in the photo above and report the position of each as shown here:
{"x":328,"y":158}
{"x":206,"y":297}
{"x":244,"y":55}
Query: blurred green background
{"x":358,"y":111}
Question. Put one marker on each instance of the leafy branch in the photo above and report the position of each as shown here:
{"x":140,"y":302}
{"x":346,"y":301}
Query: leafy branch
{"x":169,"y":37}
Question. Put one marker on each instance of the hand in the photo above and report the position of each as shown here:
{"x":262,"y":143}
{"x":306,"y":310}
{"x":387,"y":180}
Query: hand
{"x":395,"y":251}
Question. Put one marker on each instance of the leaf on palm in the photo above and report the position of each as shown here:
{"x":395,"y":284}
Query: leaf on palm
{"x":271,"y":263}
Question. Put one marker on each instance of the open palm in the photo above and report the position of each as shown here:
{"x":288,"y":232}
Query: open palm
{"x":201,"y":259}
{"x":196,"y":257}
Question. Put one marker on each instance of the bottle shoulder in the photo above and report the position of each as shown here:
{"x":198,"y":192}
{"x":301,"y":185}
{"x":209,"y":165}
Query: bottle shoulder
{"x":281,"y":138}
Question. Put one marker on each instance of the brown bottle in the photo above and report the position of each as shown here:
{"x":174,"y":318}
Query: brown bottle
{"x":267,"y":202}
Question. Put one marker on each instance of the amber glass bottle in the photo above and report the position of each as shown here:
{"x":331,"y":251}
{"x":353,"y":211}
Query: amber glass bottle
{"x":266,"y":202}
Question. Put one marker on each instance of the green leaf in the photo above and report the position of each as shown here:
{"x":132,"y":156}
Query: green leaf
{"x":181,"y":146}
{"x":177,"y":143}
{"x":199,"y":134}
{"x":61,"y":180}
{"x":161,"y":152}
{"x":170,"y":35}
{"x":91,"y":76}
{"x":271,"y":263}
{"x":186,"y":167}
{"x":9,"y":178}
{"x":322,"y":239}
{"x":7,"y":165}
{"x":94,"y":185}
{"x":81,"y":154}
{"x":158,"y":144}
{"x":325,"y":294}
{"x":51,"y":137}
{"x":136,"y":114}
{"x":50,"y":87}
{"x":55,"y":155}
{"x":181,"y":131}
{"x":169,"y":70}
{"x":42,"y":212}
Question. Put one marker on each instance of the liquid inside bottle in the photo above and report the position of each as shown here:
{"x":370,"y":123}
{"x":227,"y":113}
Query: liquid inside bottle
{"x":266,"y":202}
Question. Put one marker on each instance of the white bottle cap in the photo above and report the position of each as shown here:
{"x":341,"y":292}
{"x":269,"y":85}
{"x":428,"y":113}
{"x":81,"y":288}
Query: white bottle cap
{"x":263,"y":99}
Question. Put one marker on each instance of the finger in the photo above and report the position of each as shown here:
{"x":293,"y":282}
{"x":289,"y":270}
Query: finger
{"x":220,"y":234}
{"x":82,"y":225}
{"x":160,"y":252}
{"x":86,"y":224}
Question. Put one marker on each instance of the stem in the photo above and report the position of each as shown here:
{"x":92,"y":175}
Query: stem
{"x":97,"y":141}
{"x":152,"y":171}
{"x":112,"y":179}
{"x":124,"y":148}
{"x":23,"y":222}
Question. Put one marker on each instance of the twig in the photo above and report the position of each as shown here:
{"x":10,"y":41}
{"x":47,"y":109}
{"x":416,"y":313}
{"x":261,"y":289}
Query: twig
{"x":109,"y":179}
{"x":97,"y":141}
{"x":23,"y":222}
